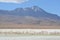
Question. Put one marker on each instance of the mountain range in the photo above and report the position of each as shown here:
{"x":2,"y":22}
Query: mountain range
{"x":30,"y":16}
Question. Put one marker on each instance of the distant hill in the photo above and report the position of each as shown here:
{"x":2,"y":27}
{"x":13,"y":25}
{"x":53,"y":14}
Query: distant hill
{"x":29,"y":15}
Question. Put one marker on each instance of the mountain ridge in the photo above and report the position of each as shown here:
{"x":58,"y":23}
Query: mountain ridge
{"x":30,"y":15}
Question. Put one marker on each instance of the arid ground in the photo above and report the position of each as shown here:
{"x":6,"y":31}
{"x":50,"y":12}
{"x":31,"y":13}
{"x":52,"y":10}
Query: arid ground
{"x":26,"y":26}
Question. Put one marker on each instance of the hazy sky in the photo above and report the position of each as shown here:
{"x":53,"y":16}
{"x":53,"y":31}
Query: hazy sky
{"x":51,"y":6}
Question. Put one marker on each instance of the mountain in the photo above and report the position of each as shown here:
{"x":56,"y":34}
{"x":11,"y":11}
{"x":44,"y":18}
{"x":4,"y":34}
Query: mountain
{"x":29,"y":15}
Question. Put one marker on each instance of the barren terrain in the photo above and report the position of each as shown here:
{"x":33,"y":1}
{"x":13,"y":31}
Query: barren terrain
{"x":26,"y":26}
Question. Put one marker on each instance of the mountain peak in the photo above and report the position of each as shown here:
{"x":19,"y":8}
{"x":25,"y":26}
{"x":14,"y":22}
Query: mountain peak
{"x":36,"y":8}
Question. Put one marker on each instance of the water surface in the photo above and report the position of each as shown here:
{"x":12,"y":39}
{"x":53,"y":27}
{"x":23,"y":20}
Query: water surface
{"x":29,"y":37}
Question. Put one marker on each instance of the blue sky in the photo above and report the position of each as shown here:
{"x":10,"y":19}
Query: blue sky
{"x":51,"y":6}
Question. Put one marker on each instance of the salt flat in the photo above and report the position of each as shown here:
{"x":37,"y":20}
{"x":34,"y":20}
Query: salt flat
{"x":28,"y":37}
{"x":30,"y":32}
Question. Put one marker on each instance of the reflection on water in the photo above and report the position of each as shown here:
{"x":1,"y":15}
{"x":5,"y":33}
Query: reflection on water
{"x":29,"y":37}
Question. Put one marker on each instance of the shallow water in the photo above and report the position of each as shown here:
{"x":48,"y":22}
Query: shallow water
{"x":29,"y":37}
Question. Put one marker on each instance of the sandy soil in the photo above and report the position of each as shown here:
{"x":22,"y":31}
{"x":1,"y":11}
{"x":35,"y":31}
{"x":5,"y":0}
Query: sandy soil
{"x":26,"y":26}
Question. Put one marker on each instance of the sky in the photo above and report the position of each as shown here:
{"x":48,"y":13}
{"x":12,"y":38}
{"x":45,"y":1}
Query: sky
{"x":51,"y":6}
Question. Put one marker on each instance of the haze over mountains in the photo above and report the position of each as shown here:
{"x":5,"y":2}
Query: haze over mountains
{"x":29,"y":15}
